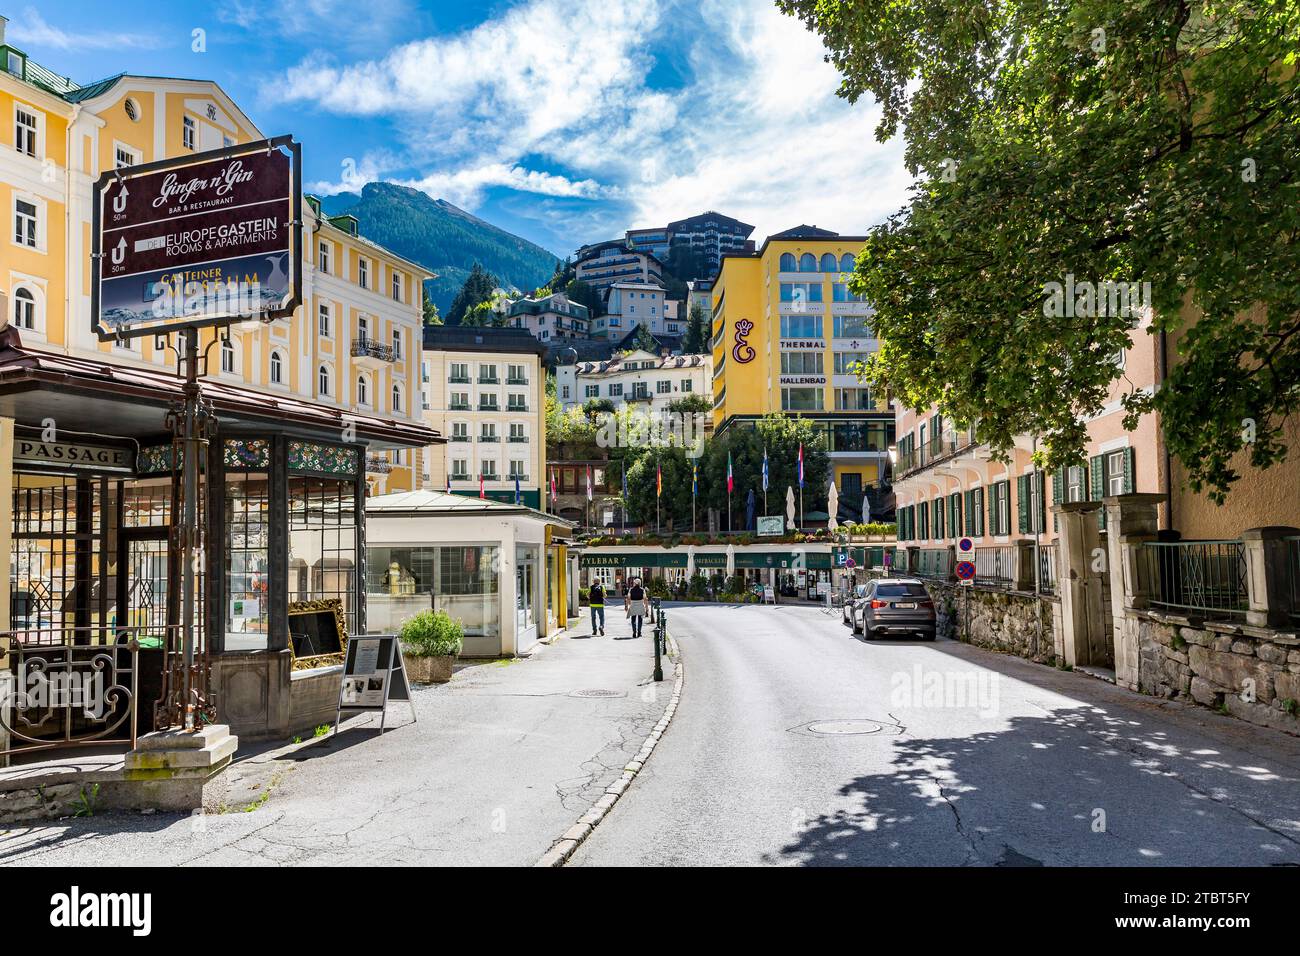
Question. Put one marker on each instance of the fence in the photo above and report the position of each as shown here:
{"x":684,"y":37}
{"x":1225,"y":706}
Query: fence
{"x":933,"y":563}
{"x":1203,"y":576}
{"x":1293,"y":574}
{"x":995,"y":567}
{"x":1047,"y":565}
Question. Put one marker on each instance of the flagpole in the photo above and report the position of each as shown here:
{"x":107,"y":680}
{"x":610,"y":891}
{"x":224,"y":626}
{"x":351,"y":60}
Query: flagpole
{"x":658,"y":479}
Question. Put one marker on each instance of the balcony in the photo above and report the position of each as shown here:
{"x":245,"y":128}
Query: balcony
{"x":519,"y":478}
{"x":489,"y":381}
{"x":512,"y":380}
{"x":489,"y":438}
{"x":516,"y":408}
{"x":492,"y":476}
{"x":377,"y":465}
{"x":458,"y":438}
{"x":486,"y":407}
{"x":458,"y":379}
{"x":519,"y":439}
{"x":367,"y":353}
{"x":459,"y":406}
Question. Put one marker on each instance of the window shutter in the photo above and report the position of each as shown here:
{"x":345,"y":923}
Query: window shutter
{"x":1097,"y":472}
{"x":1042,"y":502}
{"x":940,"y":526}
{"x":1022,"y":502}
{"x":1058,"y":485}
{"x":991,"y":499}
{"x":970,"y":518}
{"x":1128,"y":471}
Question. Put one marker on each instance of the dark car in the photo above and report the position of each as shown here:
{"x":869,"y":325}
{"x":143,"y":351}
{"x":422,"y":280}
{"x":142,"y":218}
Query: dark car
{"x":858,"y":593}
{"x":894,"y":606}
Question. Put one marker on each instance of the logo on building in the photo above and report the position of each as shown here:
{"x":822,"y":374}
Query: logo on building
{"x":743,"y":351}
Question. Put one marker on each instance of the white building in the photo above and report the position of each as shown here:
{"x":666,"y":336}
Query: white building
{"x":606,"y":263}
{"x":637,"y":377}
{"x":629,"y":304}
{"x":551,"y":318}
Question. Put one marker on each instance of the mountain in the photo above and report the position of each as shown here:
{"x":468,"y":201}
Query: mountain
{"x":443,"y":239}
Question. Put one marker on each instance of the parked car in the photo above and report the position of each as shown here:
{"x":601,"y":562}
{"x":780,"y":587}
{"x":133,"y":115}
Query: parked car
{"x":894,"y":606}
{"x":859,"y":592}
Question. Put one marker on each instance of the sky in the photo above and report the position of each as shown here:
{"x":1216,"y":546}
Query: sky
{"x":564,"y":121}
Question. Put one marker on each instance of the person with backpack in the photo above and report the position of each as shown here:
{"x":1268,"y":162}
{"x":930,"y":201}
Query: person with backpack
{"x":636,"y":606}
{"x":596,"y":598}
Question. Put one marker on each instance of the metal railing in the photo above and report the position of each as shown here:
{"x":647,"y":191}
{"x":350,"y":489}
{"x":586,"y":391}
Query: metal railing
{"x":1203,"y":576}
{"x":933,"y":563}
{"x":362,"y":348}
{"x":996,"y":566}
{"x":1047,"y":565}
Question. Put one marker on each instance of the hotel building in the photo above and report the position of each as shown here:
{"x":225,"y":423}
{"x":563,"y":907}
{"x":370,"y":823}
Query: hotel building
{"x":787,"y":334}
{"x":550,"y":318}
{"x":639,"y":377}
{"x":603,"y":264}
{"x":485,"y":392}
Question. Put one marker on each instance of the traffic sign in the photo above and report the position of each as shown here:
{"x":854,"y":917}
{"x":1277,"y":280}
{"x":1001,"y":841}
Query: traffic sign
{"x":204,"y":240}
{"x":965,"y":545}
{"x":965,"y":571}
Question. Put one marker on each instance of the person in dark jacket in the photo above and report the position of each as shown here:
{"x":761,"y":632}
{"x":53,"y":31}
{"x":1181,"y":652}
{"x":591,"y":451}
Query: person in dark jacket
{"x":636,"y":606}
{"x":596,"y":598}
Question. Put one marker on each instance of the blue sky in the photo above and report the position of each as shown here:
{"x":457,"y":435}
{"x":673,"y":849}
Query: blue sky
{"x":565,"y":121}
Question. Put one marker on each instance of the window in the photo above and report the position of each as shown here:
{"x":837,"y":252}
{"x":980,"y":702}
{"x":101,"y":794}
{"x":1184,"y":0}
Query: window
{"x":397,"y":398}
{"x":801,"y":326}
{"x":324,"y":319}
{"x":1116,"y":483}
{"x":459,"y":401}
{"x":460,"y":469}
{"x":487,"y":469}
{"x":801,"y":292}
{"x":616,"y":390}
{"x":397,"y":287}
{"x":853,"y":327}
{"x":801,"y":399}
{"x":840,"y":292}
{"x":564,"y":392}
{"x":459,"y":373}
{"x":24,"y":309}
{"x":517,"y":469}
{"x":1000,"y":508}
{"x":132,"y":110}
{"x":686,"y":385}
{"x":363,"y":328}
{"x":187,"y":133}
{"x":487,"y":375}
{"x":788,"y":263}
{"x":853,"y":399}
{"x":25,"y":131}
{"x":1075,"y":484}
{"x":517,"y":432}
{"x":123,"y":157}
{"x":807,"y":262}
{"x":802,"y":363}
{"x":847,"y":262}
{"x":227,"y":356}
{"x":518,"y":403}
{"x":663,"y":387}
{"x":363,"y":390}
{"x":277,"y":369}
{"x":830,"y":263}
{"x":323,"y":259}
{"x":516,"y":375}
{"x":591,"y":391}
{"x":363,"y":273}
{"x":460,"y":431}
{"x":488,"y":403}
{"x":25,"y":223}
{"x":323,"y":381}
{"x":487,"y":432}
{"x":397,"y":343}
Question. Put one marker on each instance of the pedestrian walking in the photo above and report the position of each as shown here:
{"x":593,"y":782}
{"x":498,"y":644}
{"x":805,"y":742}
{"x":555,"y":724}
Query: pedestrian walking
{"x":635,"y":603}
{"x":596,"y":598}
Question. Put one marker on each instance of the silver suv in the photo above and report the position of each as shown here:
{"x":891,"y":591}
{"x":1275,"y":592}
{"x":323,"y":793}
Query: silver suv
{"x":894,"y":606}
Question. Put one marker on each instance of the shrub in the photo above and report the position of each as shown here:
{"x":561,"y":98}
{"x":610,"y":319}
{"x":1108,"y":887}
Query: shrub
{"x":432,"y":634}
{"x":697,"y":587}
{"x":657,"y":588}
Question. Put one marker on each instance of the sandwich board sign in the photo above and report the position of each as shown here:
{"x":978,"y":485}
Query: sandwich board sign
{"x":373,"y":674}
{"x":207,"y":239}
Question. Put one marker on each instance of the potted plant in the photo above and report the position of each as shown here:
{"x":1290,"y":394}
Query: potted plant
{"x":431,"y":641}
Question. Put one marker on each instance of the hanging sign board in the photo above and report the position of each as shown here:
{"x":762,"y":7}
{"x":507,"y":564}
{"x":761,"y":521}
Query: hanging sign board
{"x":771,"y":524}
{"x":373,"y":674}
{"x":203,"y":240}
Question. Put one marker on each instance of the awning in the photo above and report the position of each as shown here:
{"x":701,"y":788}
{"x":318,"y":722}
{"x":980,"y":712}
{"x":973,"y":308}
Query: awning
{"x":130,"y":401}
{"x":705,"y":560}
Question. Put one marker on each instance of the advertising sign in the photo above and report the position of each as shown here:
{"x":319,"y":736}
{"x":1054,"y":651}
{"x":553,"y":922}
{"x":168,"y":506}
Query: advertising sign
{"x":373,"y":674}
{"x":771,"y":524}
{"x":204,"y":240}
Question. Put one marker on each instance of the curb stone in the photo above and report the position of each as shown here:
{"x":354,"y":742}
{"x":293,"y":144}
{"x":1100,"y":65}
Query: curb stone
{"x":577,"y":834}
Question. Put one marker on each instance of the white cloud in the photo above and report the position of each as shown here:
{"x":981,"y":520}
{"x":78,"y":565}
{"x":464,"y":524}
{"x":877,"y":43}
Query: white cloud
{"x":756,"y":131}
{"x":32,"y":29}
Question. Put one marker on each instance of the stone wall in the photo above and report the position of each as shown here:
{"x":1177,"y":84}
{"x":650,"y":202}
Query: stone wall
{"x":1005,"y":621}
{"x":1251,"y":673}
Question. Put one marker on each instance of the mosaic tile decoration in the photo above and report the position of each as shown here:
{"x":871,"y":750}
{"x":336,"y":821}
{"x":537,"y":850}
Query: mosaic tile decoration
{"x":155,"y":460}
{"x":323,"y":459}
{"x":246,"y":453}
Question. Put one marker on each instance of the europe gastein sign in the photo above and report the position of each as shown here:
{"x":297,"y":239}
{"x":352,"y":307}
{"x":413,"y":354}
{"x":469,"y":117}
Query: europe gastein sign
{"x":205,"y":240}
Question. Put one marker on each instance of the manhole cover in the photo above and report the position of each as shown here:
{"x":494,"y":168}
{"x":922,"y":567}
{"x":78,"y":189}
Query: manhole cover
{"x":597,"y":692}
{"x":851,"y":727}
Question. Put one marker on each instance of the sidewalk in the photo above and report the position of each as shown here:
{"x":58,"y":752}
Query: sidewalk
{"x":500,"y":763}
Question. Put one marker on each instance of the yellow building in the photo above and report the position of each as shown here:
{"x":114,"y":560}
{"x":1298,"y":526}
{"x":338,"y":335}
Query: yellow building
{"x":787,"y":334}
{"x":354,"y":343}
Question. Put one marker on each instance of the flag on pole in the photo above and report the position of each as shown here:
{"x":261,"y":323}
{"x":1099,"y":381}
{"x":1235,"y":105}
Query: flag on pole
{"x":731,"y":477}
{"x":448,"y":482}
{"x":695,"y":480}
{"x":801,"y":464}
{"x":519,"y":495}
{"x":659,"y":481}
{"x":590,"y":494}
{"x":552,"y":486}
{"x":765,"y":469}
{"x":481,"y":492}
{"x":625,"y":482}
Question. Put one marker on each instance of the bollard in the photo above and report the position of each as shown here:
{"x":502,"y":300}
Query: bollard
{"x":658,"y":635}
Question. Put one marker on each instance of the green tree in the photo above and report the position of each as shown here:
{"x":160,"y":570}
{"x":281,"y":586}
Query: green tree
{"x":643,"y":339}
{"x":675,"y":502}
{"x":696,"y":340}
{"x":584,"y":294}
{"x":1146,"y":141}
{"x":478,"y":288}
{"x":691,"y":405}
{"x":431,"y":316}
{"x":781,"y":435}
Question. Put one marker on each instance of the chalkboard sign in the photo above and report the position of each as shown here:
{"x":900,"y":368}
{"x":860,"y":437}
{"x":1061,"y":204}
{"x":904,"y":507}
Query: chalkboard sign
{"x":373,"y":674}
{"x":317,"y":633}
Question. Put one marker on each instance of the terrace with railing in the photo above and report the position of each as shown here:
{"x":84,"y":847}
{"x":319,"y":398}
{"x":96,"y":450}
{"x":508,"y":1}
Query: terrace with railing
{"x":1205,"y":577}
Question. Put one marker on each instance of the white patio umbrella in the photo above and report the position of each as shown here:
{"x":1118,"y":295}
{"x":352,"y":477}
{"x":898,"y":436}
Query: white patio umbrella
{"x":731,"y":560}
{"x":690,"y":562}
{"x":833,"y":506}
{"x":789,"y":508}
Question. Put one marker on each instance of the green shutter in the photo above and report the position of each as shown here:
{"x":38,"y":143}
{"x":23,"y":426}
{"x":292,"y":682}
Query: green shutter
{"x":1097,"y":471}
{"x":1128,"y":471}
{"x":990,"y":501}
{"x":1022,"y":502}
{"x":1042,"y":502}
{"x":940,"y":526}
{"x":1058,"y":485}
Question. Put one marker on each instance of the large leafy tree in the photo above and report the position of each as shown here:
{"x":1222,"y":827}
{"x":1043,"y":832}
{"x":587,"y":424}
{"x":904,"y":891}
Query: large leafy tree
{"x":1148,"y":141}
{"x":781,"y":435}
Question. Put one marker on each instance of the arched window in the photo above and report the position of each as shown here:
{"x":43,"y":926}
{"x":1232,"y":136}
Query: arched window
{"x":787,"y":262}
{"x":807,"y":262}
{"x":363,"y":390}
{"x":277,"y":369}
{"x":397,"y":398}
{"x":829,"y":262}
{"x":227,"y":356}
{"x":323,"y":380}
{"x":24,"y":309}
{"x":847,"y":262}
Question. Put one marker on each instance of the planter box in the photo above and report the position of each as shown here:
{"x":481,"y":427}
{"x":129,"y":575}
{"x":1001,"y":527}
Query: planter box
{"x":429,"y":670}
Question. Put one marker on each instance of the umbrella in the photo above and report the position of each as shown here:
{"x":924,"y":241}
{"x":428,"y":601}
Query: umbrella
{"x":866,"y":510}
{"x":833,"y":507}
{"x":690,"y":562}
{"x":789,"y":508}
{"x":731,"y":560}
{"x":749,"y":510}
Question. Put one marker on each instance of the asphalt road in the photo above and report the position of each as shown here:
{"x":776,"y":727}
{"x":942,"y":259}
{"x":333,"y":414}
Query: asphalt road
{"x":963,"y":757}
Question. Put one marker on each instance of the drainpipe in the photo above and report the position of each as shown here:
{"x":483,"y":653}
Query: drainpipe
{"x":1167,"y":477}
